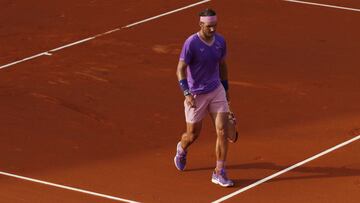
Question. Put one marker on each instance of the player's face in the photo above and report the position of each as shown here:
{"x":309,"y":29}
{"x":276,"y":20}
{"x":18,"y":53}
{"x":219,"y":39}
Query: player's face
{"x":208,"y":28}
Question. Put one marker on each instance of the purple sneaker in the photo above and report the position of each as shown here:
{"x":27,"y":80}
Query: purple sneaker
{"x":180,"y":158}
{"x":221,"y":179}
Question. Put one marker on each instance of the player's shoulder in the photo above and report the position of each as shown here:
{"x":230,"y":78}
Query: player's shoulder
{"x":220,"y":38}
{"x":190,"y":42}
{"x":191,"y":38}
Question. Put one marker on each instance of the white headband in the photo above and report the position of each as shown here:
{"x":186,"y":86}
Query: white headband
{"x":208,"y":19}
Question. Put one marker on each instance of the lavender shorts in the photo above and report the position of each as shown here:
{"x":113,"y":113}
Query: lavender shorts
{"x":212,"y":102}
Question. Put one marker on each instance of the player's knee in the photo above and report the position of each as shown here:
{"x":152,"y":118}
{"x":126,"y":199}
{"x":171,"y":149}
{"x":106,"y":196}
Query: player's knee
{"x":221,"y":132}
{"x":192,"y":132}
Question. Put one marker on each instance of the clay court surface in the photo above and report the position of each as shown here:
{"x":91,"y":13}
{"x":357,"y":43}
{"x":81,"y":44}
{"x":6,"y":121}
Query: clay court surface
{"x":105,"y":115}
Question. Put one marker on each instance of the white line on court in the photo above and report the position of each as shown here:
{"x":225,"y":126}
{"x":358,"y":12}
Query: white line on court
{"x":47,"y":53}
{"x":323,"y":5}
{"x":25,"y":59}
{"x":164,"y":14}
{"x":286,"y":170}
{"x":72,"y":44}
{"x":67,"y":187}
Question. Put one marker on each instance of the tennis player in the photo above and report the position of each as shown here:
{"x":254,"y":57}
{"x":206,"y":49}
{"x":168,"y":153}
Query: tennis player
{"x":203,"y":78}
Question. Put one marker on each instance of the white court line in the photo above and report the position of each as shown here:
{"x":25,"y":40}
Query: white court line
{"x":323,"y":5}
{"x":164,"y":14}
{"x":67,"y":187}
{"x":72,"y":44}
{"x":25,"y":59}
{"x":47,"y":53}
{"x":286,"y":170}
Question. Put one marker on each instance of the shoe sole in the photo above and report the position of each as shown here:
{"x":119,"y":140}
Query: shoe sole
{"x":222,"y":185}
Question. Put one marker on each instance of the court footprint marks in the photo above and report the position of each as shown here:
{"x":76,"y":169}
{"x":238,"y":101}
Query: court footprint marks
{"x":73,"y":107}
{"x":58,"y":81}
{"x":167,"y":49}
{"x":89,"y":74}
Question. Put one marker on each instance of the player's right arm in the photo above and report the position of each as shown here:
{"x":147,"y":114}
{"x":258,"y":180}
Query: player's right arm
{"x":181,"y":75}
{"x":181,"y":70}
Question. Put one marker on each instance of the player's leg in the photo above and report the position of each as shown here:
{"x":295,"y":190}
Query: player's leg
{"x":220,"y":121}
{"x":219,"y":109}
{"x":194,"y":118}
{"x":192,"y":133}
{"x":219,"y":175}
{"x":187,"y":138}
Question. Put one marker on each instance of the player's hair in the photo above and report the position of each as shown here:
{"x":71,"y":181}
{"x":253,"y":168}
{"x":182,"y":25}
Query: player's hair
{"x":207,"y":12}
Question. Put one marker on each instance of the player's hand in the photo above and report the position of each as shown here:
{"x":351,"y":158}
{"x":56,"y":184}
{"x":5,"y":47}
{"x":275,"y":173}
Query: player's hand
{"x":190,"y":101}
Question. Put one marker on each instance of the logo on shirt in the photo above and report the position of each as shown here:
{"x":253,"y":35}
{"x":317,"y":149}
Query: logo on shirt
{"x":202,"y":49}
{"x":218,"y":45}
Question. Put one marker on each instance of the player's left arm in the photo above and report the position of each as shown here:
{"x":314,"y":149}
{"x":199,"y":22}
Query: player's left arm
{"x":224,"y":77}
{"x":223,"y":70}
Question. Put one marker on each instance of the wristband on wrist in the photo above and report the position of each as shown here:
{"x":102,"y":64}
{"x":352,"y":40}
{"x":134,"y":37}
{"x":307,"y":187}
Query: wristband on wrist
{"x":225,"y":83}
{"x":184,"y":84}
